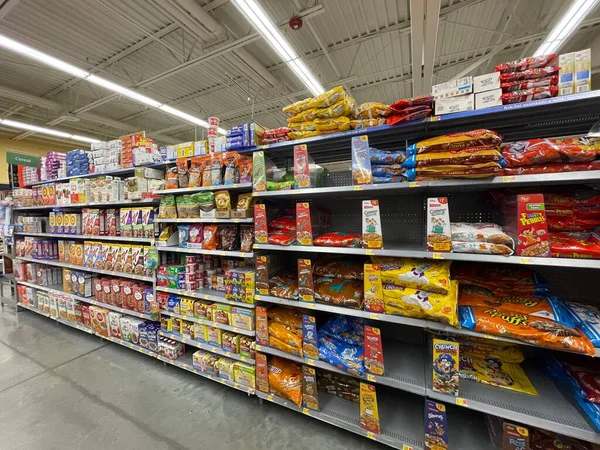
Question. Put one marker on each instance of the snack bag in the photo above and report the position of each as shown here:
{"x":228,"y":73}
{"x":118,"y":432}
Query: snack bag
{"x":338,"y":268}
{"x":285,"y":379}
{"x":432,"y":276}
{"x":480,"y":232}
{"x":326,"y":99}
{"x":507,"y":280}
{"x":530,"y":329}
{"x":345,"y":357}
{"x":372,"y":110}
{"x":338,"y":239}
{"x":495,"y":372}
{"x":211,"y":239}
{"x":297,"y":107}
{"x":232,"y":174}
{"x":216,"y":169}
{"x":334,"y":291}
{"x":457,"y":141}
{"x":532,"y":62}
{"x":245,"y":169}
{"x":416,"y":303}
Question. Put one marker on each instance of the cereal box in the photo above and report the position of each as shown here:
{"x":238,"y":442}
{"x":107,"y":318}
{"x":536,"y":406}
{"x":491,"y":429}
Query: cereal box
{"x":52,"y":222}
{"x":373,"y":288}
{"x":310,"y":395}
{"x":262,"y":275}
{"x":62,"y":308}
{"x":226,"y":369}
{"x":436,"y":427}
{"x":99,"y":320}
{"x":583,"y":70}
{"x":200,"y":332}
{"x":303,"y":224}
{"x":259,"y":174}
{"x":262,"y":373}
{"x":306,"y":290}
{"x":85,"y":314}
{"x":126,"y":259}
{"x":242,"y":318}
{"x":532,"y":226}
{"x":361,"y":161}
{"x":371,"y":224}
{"x":215,"y":336}
{"x":114,"y":324}
{"x":445,"y":366}
{"x":439,"y":235}
{"x":369,"y":412}
{"x":301,"y":167}
{"x":515,"y":437}
{"x":125,"y":328}
{"x":373,"y":351}
{"x":126,"y":223}
{"x":135,"y":325}
{"x":244,"y":374}
{"x":261,"y":234}
{"x":310,"y":348}
{"x":262,"y":326}
{"x":566,"y":76}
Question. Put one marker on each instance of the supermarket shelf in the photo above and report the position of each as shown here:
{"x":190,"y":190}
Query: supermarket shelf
{"x":205,"y":294}
{"x":89,"y":300}
{"x":151,"y":201}
{"x":201,"y":251}
{"x":86,"y":269}
{"x":86,"y":236}
{"x":185,"y":220}
{"x":549,"y":410}
{"x":211,"y":324}
{"x":207,"y":347}
{"x":416,"y":251}
{"x":414,"y":187}
{"x":185,"y":362}
{"x":404,"y":366}
{"x":419,"y":323}
{"x":224,"y":187}
{"x":98,"y":174}
{"x":77,"y":326}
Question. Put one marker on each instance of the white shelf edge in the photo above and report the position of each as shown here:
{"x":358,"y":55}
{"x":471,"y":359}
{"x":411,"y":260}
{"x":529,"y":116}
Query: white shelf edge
{"x":201,"y":251}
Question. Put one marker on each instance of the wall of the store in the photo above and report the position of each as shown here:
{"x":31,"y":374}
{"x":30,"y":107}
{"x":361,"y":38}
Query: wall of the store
{"x":27,"y":147}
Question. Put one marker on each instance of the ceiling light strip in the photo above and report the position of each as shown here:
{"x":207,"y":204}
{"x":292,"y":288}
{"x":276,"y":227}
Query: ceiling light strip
{"x":26,"y":126}
{"x":270,"y":32}
{"x":63,"y":66}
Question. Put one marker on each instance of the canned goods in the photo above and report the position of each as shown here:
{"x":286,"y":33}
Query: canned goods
{"x":191,"y":268}
{"x":190,"y":259}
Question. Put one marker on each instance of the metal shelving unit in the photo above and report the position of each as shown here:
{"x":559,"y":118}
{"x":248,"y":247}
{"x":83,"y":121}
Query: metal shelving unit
{"x":185,"y":220}
{"x":86,"y":269}
{"x":204,"y":346}
{"x":191,"y":190}
{"x":210,"y":323}
{"x":201,"y":251}
{"x":84,"y":205}
{"x":90,"y":300}
{"x":86,"y":236}
{"x":205,"y":294}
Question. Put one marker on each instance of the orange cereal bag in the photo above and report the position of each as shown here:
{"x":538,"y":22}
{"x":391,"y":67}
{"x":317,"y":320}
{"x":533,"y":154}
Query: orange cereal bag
{"x":285,"y":379}
{"x":531,"y":329}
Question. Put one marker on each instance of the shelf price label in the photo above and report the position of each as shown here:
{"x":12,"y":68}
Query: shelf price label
{"x":357,"y":188}
{"x":310,"y":362}
{"x":406,"y":447}
{"x":369,"y":252}
{"x":370,"y":377}
{"x":437,"y":256}
{"x":509,"y":179}
{"x":525,"y":260}
{"x":461,"y":401}
{"x":413,"y":184}
{"x":371,"y":435}
{"x":270,"y":397}
{"x":311,"y":306}
{"x":306,"y":411}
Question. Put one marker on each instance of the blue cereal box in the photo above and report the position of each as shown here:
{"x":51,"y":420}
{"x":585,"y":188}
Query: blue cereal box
{"x":309,"y":337}
{"x":361,"y":161}
{"x":436,"y":428}
{"x":445,"y":367}
{"x":173,"y":304}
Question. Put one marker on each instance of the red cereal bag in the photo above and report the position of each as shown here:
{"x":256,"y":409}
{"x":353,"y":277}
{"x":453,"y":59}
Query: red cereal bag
{"x":530,"y":152}
{"x":529,"y":84}
{"x":211,"y":238}
{"x":528,"y":95}
{"x":528,"y":74}
{"x":532,"y":62}
{"x":338,"y":239}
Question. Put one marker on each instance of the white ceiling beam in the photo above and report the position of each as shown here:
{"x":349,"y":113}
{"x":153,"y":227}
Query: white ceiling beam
{"x":432,"y":19}
{"x":417,"y":42}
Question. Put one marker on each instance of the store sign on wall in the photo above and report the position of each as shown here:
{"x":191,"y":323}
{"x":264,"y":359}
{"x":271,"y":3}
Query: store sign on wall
{"x":22,"y":160}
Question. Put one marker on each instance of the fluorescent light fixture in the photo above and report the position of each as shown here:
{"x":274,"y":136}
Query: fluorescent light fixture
{"x":270,"y":32}
{"x":566,"y":26}
{"x":24,"y":50}
{"x":42,"y":130}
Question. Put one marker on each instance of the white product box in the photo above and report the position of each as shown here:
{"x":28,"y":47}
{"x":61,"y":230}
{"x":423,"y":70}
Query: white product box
{"x":453,"y":88}
{"x":486,"y":82}
{"x":439,"y":235}
{"x":488,"y":99}
{"x":583,"y":71}
{"x":454,"y":104}
{"x":566,"y":76}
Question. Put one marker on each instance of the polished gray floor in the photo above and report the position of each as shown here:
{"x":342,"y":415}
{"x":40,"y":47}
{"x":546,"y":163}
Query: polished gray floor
{"x":63,"y":389}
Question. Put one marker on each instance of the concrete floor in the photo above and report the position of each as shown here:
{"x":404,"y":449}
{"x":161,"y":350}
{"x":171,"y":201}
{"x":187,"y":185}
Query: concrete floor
{"x":63,"y":389}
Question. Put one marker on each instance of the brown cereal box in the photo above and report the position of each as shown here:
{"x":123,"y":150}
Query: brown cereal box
{"x":261,"y":234}
{"x":306,"y":290}
{"x":127,"y":300}
{"x":310,"y":395}
{"x":126,"y":259}
{"x":262,"y":326}
{"x":301,"y":167}
{"x":304,"y":234}
{"x":138,"y":297}
{"x":137,"y":259}
{"x":262,"y":373}
{"x":373,"y":351}
{"x":310,"y":348}
{"x":262,"y":275}
{"x":98,"y":291}
{"x":76,"y":253}
{"x":99,"y":320}
{"x":439,"y":235}
{"x":107,"y":291}
{"x":112,"y":219}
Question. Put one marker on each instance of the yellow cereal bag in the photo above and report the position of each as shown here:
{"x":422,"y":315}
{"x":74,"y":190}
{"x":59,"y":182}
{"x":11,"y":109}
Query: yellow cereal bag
{"x":303,"y":134}
{"x":328,"y":98}
{"x":432,"y":276}
{"x":298,"y":107}
{"x":304,"y":116}
{"x":302,"y":126}
{"x":495,"y":372}
{"x":332,"y":125}
{"x":409,"y":302}
{"x":342,"y":108}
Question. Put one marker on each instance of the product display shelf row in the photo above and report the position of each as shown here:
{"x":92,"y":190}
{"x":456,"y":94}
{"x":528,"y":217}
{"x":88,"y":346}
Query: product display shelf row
{"x":511,"y":117}
{"x":191,"y":190}
{"x":210,"y":323}
{"x":57,"y":263}
{"x":204,"y":220}
{"x":185,"y":362}
{"x":201,"y":251}
{"x":121,"y":342}
{"x":119,"y":171}
{"x":90,"y":300}
{"x":205,"y":294}
{"x":404,"y":367}
{"x":419,"y":323}
{"x":549,"y":410}
{"x":208,"y":347}
{"x":450,"y":185}
{"x":417,"y":251}
{"x":86,"y":236}
{"x":401,"y":420}
{"x":111,"y":204}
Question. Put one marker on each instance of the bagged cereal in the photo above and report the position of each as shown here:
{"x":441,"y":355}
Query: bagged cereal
{"x":587,"y":319}
{"x":372,"y":110}
{"x":454,"y":157}
{"x":298,"y":107}
{"x":328,"y":98}
{"x":338,"y":239}
{"x":530,"y":329}
{"x":480,"y":232}
{"x":339,"y":292}
{"x":380,"y":157}
{"x":286,"y":316}
{"x":167,"y":208}
{"x":332,"y":125}
{"x":345,"y":357}
{"x":495,"y":372}
{"x":432,"y":276}
{"x":457,"y":141}
{"x":245,"y":169}
{"x":334,"y":267}
{"x":482,"y":348}
{"x":284,"y":286}
{"x":285,"y":379}
{"x":409,"y":302}
{"x":285,"y":338}
{"x":509,"y":280}
{"x":211,"y":239}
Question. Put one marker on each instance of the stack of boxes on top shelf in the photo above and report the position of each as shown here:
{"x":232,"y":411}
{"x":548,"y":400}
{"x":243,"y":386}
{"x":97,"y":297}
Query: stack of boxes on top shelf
{"x":50,"y":165}
{"x":78,"y":162}
{"x":243,"y":136}
{"x":105,"y":155}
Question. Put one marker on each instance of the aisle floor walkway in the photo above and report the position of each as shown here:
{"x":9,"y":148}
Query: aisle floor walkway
{"x":64,"y":389}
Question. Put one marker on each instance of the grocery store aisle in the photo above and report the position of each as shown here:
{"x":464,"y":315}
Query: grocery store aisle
{"x":61,"y":388}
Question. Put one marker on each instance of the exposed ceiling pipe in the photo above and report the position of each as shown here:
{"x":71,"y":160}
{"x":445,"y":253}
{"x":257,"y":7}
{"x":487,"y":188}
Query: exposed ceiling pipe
{"x":175,"y":12}
{"x":205,"y":19}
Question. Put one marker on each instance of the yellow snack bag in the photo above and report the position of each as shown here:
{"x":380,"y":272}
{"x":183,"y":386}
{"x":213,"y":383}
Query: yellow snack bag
{"x":372,"y":110}
{"x":328,"y":98}
{"x":495,"y":372}
{"x":432,"y":276}
{"x":302,"y":126}
{"x":303,"y":134}
{"x":333,"y":124}
{"x":304,"y":116}
{"x":298,"y":106}
{"x":482,"y":348}
{"x":409,"y":302}
{"x":342,"y":108}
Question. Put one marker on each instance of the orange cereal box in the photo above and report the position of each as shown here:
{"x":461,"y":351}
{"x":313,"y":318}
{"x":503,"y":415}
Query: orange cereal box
{"x":301,"y":167}
{"x":262,"y":326}
{"x":303,"y":224}
{"x":261,"y":234}
{"x":532,"y":226}
{"x":369,"y":412}
{"x":262,"y":372}
{"x":373,"y":288}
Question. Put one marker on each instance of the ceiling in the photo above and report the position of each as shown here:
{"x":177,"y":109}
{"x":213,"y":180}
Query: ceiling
{"x":204,"y":57}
